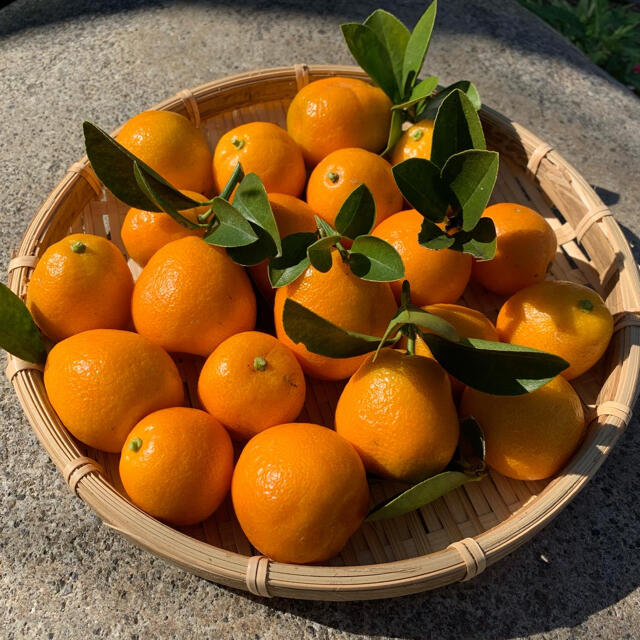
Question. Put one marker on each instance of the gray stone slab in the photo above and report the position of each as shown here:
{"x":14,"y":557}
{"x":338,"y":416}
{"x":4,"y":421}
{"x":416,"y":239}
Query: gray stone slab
{"x":63,"y":575}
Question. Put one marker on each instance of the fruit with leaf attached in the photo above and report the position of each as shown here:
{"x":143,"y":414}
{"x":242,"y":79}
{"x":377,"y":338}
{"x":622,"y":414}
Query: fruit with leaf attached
{"x":526,"y":246}
{"x":397,"y":412}
{"x":415,"y":142}
{"x":337,"y":175}
{"x":434,"y":275}
{"x":251,"y":382}
{"x":336,"y":113}
{"x":292,"y":216}
{"x":81,"y":282}
{"x":299,"y":491}
{"x":191,"y":296}
{"x":172,"y":146}
{"x":467,"y":322}
{"x":176,"y":465}
{"x":343,"y":299}
{"x":530,"y":436}
{"x":144,"y":232}
{"x":101,"y":382}
{"x":263,"y":148}
{"x":563,"y":318}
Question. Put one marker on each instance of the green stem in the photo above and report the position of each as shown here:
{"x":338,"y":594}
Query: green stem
{"x":411,"y":339}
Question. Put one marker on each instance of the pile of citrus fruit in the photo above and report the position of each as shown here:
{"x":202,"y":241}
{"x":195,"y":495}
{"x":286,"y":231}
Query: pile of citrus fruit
{"x":300,"y":490}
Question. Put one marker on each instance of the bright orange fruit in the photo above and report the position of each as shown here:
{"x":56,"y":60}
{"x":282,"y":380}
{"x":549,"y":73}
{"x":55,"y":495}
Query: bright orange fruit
{"x":415,"y":142}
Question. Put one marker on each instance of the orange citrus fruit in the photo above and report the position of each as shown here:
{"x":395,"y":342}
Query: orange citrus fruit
{"x":299,"y":491}
{"x":335,"y":113}
{"x":531,"y":436}
{"x":101,"y":382}
{"x":176,"y":465}
{"x":251,"y":382}
{"x":398,"y":413}
{"x":191,"y":296}
{"x":81,"y":282}
{"x":344,"y":300}
{"x":144,"y":232}
{"x":526,"y":246}
{"x":434,"y":276}
{"x":415,"y":142}
{"x":292,"y":216}
{"x":564,"y":318}
{"x":468,"y":323}
{"x":333,"y":180}
{"x":263,"y":148}
{"x":171,"y":145}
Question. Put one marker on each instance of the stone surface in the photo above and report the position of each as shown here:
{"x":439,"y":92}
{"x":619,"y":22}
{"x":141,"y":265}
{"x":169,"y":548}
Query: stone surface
{"x":66,"y":576}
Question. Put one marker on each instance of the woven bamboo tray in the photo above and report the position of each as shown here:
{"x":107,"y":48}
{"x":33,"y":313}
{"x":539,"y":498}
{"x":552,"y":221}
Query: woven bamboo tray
{"x":457,"y":536}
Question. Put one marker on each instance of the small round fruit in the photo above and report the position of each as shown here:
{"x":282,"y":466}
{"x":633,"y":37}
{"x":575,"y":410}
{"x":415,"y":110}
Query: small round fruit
{"x":171,"y":145}
{"x":191,"y":296}
{"x":434,"y":276}
{"x":176,"y":465}
{"x":333,"y":180}
{"x":263,"y":148}
{"x":144,"y":232}
{"x":335,"y":113}
{"x":299,"y":491}
{"x":564,"y":318}
{"x":531,"y":436}
{"x":342,"y":298}
{"x":468,"y":323}
{"x":252,"y":382}
{"x":415,"y":142}
{"x":102,"y":382}
{"x":398,"y":413}
{"x":526,"y":246}
{"x":81,"y":282}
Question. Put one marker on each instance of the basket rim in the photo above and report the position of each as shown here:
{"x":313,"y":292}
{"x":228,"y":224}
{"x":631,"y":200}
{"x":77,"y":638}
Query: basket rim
{"x":323,"y":582}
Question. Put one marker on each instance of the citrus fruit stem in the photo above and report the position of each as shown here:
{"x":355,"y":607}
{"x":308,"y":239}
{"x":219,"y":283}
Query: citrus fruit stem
{"x":586,"y":305}
{"x":259,"y":363}
{"x":135,"y":444}
{"x":78,"y":247}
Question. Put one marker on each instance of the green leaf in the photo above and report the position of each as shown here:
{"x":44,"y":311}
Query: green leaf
{"x":471,"y":451}
{"x":394,"y":35}
{"x":293,"y":261}
{"x":457,"y":128}
{"x":471,"y":176}
{"x":324,"y":227}
{"x":371,"y":54}
{"x":426,"y":320}
{"x":255,"y":252}
{"x":319,"y":253}
{"x":230,"y":229}
{"x":321,"y":336}
{"x":236,"y":177}
{"x":430,"y":109}
{"x":497,"y":368}
{"x":18,"y":332}
{"x":113,"y":164}
{"x":431,"y":236}
{"x":372,"y":258}
{"x":395,"y":131}
{"x":421,"y":91}
{"x":420,"y":494}
{"x":357,"y":214}
{"x":480,"y":242}
{"x":420,"y":183}
{"x":417,"y":47}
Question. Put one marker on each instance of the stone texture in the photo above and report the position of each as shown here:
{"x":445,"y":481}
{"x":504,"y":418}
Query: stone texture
{"x":66,"y":576}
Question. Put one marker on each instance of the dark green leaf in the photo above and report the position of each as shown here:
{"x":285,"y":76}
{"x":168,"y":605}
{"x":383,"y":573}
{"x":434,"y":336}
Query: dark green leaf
{"x":420,"y":183}
{"x":421,"y":91}
{"x":113,"y":164}
{"x":324,"y":227}
{"x":372,"y":258}
{"x":495,"y":367}
{"x":417,"y":47}
{"x":426,"y":320}
{"x":319,"y":253}
{"x":255,"y":252}
{"x":471,"y":450}
{"x":431,"y":236}
{"x":18,"y":332}
{"x":230,"y":229}
{"x":480,"y":242}
{"x":394,"y":35}
{"x":457,"y":128}
{"x":293,"y":261}
{"x":357,"y":214}
{"x":430,"y":109}
{"x":321,"y":336}
{"x":420,"y":494}
{"x":471,"y":176}
{"x":371,"y":54}
{"x":395,"y":131}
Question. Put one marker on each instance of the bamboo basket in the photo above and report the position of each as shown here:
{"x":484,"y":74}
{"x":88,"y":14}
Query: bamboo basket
{"x":457,"y":536}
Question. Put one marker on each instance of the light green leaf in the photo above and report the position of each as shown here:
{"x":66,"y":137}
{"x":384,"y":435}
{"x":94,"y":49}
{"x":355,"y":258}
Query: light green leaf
{"x":293,"y":262}
{"x":431,"y":106}
{"x":417,"y":47}
{"x":230,"y":229}
{"x":395,"y":131}
{"x":421,"y":91}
